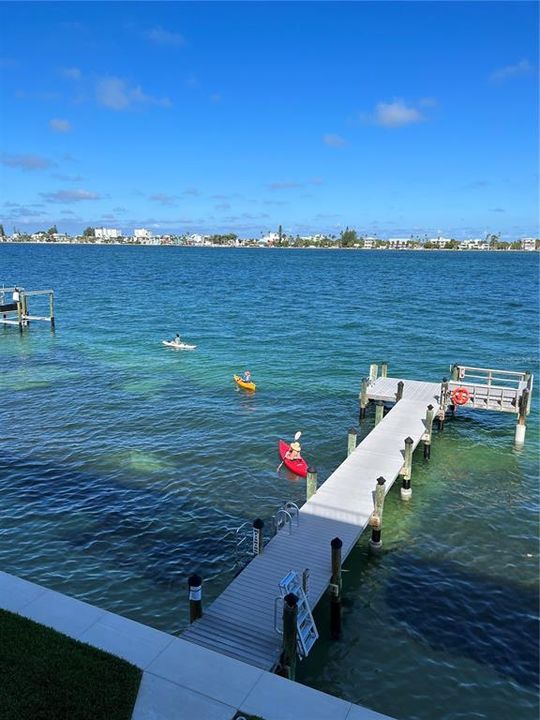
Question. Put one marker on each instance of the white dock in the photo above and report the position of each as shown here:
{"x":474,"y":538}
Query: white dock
{"x":240,"y":622}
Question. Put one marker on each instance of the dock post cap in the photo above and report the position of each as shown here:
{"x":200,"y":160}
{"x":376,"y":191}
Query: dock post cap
{"x":194,"y":581}
{"x":409,"y":441}
{"x":258,"y":524}
{"x":336,"y":543}
{"x":311,"y":469}
{"x":291,"y":600}
{"x":353,"y":431}
{"x":445,"y":379}
{"x":430,"y":406}
{"x":380,"y":480}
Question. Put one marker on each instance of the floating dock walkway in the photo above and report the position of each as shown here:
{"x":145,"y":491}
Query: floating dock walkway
{"x":244,"y":621}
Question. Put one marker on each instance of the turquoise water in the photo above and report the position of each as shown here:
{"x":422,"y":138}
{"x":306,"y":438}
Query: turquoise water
{"x":124,"y":464}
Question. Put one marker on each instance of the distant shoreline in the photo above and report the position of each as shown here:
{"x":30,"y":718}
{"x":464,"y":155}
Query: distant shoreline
{"x":272,"y":247}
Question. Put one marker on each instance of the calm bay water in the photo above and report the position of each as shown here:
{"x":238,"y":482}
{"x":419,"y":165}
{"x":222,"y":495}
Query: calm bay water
{"x":124,"y":464}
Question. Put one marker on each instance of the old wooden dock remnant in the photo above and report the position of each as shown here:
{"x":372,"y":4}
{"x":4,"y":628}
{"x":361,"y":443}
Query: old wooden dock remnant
{"x":14,"y":307}
{"x":244,"y":621}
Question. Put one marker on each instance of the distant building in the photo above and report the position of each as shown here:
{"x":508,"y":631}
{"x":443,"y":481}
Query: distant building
{"x":528,"y":243}
{"x":106,"y":233}
{"x":439,"y":241}
{"x":369,"y":243}
{"x":270,"y":238}
{"x":196,"y":239}
{"x":397,"y":243}
{"x":474,"y":244}
{"x":142,"y":234}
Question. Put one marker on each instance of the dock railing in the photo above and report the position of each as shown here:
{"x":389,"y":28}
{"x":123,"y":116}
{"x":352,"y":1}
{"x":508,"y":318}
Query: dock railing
{"x":16,"y":311}
{"x":491,"y":388}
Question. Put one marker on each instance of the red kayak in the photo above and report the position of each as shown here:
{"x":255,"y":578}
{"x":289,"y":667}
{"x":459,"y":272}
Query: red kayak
{"x":298,"y":467}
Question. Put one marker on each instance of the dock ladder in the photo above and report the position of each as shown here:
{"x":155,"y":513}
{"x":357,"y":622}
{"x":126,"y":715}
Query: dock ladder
{"x":307,"y":633}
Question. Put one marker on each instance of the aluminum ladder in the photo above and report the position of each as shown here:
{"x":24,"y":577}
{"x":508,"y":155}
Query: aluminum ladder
{"x":306,"y":631}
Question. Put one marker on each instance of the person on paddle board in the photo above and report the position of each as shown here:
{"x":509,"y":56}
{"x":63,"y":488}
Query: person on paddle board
{"x":177,"y":340}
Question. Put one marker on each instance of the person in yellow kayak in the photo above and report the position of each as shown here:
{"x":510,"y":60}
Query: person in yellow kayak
{"x":247,"y":377}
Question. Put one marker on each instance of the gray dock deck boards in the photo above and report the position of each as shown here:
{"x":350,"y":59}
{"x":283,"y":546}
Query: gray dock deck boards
{"x":240,"y":622}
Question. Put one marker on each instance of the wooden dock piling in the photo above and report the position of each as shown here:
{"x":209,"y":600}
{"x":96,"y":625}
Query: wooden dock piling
{"x":352,"y":438}
{"x":195,"y":597}
{"x":363,"y":398}
{"x":406,"y":472}
{"x":51,"y":310}
{"x":20,"y":315}
{"x":521,"y":425}
{"x":379,"y":411}
{"x":375,"y":520}
{"x":443,"y":402}
{"x":429,"y":430}
{"x":288,"y":653}
{"x":399,"y":393}
{"x":335,"y":589}
{"x":311,"y":482}
{"x":384,"y":369}
{"x":373,"y":372}
{"x":528,"y":379}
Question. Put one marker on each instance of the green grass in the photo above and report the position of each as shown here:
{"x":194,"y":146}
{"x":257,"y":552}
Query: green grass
{"x":47,"y":676}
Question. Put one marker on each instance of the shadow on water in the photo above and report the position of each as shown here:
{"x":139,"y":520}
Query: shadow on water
{"x":160,"y":537}
{"x":469,"y":614}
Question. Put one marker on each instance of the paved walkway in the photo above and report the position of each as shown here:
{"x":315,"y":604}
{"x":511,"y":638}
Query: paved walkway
{"x":181,"y":680}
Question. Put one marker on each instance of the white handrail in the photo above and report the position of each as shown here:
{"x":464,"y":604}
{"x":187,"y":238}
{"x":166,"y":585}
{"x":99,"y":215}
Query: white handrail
{"x":476,"y":386}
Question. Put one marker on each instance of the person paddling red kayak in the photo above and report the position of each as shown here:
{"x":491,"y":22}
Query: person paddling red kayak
{"x":291,"y":456}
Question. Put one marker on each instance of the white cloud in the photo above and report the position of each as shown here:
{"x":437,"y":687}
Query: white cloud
{"x":396,"y":114}
{"x":164,"y":199}
{"x":160,"y":36}
{"x":285,"y":185}
{"x":72,"y":73}
{"x":523,"y":67}
{"x":60,"y":126}
{"x":27,"y":162}
{"x":68,"y":178}
{"x":115,"y":93}
{"x":427,"y":102}
{"x":335,"y":141}
{"x":70,"y":196}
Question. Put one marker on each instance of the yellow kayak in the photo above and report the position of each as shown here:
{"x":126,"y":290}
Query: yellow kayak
{"x":246,"y":385}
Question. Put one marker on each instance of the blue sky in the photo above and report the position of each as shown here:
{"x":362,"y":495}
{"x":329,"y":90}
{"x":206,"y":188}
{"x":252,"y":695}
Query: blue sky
{"x":390,"y":117}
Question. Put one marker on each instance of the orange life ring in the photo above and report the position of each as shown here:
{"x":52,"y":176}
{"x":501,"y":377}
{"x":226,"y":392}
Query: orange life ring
{"x":460,"y":396}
